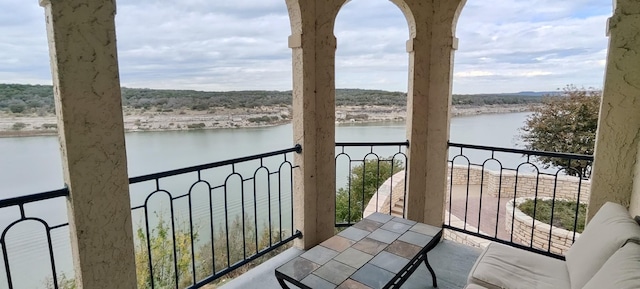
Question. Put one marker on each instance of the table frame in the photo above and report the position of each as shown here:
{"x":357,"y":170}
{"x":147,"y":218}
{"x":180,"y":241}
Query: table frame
{"x":397,"y":280}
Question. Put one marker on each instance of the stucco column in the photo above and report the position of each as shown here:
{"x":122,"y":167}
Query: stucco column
{"x":84,"y":64}
{"x":431,"y":48}
{"x":618,"y":136}
{"x":313,"y":46}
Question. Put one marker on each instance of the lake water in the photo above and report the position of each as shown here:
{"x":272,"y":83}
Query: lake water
{"x":32,"y":164}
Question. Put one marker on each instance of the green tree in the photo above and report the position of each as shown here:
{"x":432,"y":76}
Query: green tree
{"x":162,"y":245}
{"x":364,"y":182}
{"x":565,"y":123}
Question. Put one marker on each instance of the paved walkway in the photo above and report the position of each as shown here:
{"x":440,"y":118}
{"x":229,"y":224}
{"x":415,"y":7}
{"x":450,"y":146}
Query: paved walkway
{"x":490,"y":218}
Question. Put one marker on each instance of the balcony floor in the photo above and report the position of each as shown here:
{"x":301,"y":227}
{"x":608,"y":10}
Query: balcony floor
{"x":451,"y":262}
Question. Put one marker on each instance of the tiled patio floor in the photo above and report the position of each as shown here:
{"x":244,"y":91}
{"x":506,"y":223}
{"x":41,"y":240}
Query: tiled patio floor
{"x":451,"y":262}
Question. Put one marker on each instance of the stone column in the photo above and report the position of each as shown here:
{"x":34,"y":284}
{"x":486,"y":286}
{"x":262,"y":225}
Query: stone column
{"x":431,"y":47}
{"x":618,"y":136}
{"x":84,"y":64}
{"x":313,"y":45}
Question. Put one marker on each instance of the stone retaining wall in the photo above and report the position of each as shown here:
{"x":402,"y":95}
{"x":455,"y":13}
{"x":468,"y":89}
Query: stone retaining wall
{"x":561,"y":239}
{"x":566,"y":187}
{"x":389,"y":193}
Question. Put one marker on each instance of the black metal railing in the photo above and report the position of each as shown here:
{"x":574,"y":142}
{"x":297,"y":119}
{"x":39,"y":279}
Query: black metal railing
{"x":191,"y":225}
{"x":367,"y":180}
{"x":490,"y":187}
{"x":26,"y":225}
{"x":197,"y":224}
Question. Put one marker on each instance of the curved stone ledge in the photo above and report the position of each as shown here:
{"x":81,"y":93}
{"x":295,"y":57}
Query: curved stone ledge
{"x":387,"y":195}
{"x":523,"y":226}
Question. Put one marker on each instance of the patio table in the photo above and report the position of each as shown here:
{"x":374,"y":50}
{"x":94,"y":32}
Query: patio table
{"x":380,"y":251}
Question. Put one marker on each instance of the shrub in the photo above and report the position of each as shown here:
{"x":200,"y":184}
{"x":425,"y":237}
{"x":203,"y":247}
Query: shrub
{"x":18,"y":126}
{"x":364,"y":182}
{"x":196,"y":125}
{"x":564,"y":213}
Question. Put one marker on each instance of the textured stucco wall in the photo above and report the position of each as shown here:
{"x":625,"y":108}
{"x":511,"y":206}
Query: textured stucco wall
{"x":84,"y":66}
{"x":618,"y":136}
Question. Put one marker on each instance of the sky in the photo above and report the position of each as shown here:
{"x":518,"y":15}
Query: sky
{"x":504,"y":45}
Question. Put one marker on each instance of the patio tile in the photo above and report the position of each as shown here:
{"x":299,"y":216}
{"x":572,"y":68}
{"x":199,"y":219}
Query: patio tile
{"x":368,"y":225}
{"x":335,"y":272}
{"x":337,"y":243}
{"x":319,"y":254}
{"x":352,"y":284}
{"x":316,"y":282}
{"x":384,"y":236}
{"x":298,"y":268}
{"x":373,"y":276}
{"x":404,"y":221}
{"x":425,"y":229}
{"x":353,"y":258}
{"x":389,"y":262}
{"x":354,"y":234}
{"x":378,"y":217}
{"x":403,"y":249}
{"x":370,"y":246}
{"x":415,"y":238}
{"x":394,"y":226}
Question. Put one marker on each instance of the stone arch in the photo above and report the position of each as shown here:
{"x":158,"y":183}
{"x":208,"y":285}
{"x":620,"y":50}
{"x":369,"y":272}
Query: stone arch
{"x":323,"y":19}
{"x":413,"y":10}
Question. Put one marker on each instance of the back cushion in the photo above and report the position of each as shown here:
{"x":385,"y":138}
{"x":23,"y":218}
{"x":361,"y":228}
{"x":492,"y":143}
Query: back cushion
{"x":621,"y":271}
{"x":610,"y":229}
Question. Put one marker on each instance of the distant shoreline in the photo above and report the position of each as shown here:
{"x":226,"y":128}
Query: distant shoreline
{"x":147,"y":120}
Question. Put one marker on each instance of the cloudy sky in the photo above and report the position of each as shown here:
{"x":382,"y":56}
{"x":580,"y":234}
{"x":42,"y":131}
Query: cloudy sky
{"x":505,"y":45}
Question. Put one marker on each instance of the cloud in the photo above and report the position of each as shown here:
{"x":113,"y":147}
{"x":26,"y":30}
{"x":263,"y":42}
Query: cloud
{"x":505,"y":45}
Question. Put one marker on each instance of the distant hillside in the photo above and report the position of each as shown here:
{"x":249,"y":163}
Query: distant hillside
{"x":21,"y":98}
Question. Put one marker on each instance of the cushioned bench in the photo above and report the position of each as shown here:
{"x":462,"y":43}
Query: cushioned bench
{"x":607,"y":255}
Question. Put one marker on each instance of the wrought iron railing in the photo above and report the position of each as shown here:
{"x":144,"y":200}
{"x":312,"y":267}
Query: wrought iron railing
{"x":489,"y":187}
{"x":367,"y":179}
{"x":23,"y":224}
{"x":191,"y":225}
{"x":196,"y":224}
{"x":221,"y":216}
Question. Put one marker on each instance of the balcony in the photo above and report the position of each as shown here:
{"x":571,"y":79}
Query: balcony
{"x":195,"y":225}
{"x":105,"y":232}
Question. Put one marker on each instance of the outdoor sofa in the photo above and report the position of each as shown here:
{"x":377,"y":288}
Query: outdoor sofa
{"x":606,"y":255}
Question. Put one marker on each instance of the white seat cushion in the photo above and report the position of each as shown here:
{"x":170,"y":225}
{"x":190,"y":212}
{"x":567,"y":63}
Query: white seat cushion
{"x":621,"y":271}
{"x":609,"y":229}
{"x":501,"y":266}
{"x":474,"y":286}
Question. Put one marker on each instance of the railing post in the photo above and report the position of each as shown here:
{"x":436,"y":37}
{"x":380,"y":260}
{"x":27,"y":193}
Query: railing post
{"x":432,"y":25}
{"x":84,"y":65}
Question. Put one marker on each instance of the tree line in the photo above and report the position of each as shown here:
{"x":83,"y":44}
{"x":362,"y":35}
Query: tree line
{"x":25,"y":98}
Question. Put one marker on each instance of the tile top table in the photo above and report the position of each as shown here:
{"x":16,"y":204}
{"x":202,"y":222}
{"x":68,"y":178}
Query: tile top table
{"x":380,"y":251}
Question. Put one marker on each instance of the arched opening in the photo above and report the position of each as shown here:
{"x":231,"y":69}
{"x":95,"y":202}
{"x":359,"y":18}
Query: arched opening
{"x":371,"y":66}
{"x":508,"y":57}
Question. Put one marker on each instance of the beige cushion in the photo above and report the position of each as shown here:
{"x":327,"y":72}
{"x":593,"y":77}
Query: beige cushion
{"x":609,"y":229}
{"x":501,"y":266}
{"x":474,"y":286}
{"x":621,"y":271}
